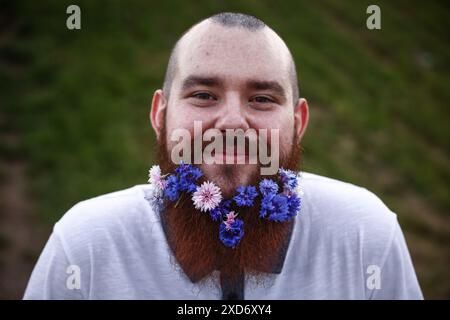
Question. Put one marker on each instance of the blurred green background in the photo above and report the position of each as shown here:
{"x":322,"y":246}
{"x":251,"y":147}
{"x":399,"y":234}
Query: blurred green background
{"x":74,"y":110}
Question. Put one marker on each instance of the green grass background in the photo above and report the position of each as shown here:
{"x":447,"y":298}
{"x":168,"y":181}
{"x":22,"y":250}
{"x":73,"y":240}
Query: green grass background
{"x":379,"y":101}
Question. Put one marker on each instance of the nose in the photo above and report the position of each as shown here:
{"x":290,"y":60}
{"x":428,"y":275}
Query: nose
{"x":233,"y":115}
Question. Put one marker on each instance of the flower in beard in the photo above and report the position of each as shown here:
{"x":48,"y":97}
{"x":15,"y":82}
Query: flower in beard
{"x":299,"y":190}
{"x":288,"y":178}
{"x":156,"y":180}
{"x":231,"y":216}
{"x":293,"y":204}
{"x":187,"y":176}
{"x":172,"y":189}
{"x":245,"y":196}
{"x":266,"y":205}
{"x":231,"y":231}
{"x":268,"y":186}
{"x":207,"y":196}
{"x":221,"y":210}
{"x":275,"y":207}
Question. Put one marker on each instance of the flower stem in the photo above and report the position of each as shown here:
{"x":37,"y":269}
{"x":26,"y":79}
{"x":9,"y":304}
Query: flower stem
{"x":178,"y":201}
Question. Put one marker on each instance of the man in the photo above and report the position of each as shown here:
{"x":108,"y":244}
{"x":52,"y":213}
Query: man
{"x":228,"y":72}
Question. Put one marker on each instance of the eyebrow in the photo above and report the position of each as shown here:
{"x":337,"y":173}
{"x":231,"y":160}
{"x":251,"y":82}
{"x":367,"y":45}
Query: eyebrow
{"x":193,"y":81}
{"x":267,"y":85}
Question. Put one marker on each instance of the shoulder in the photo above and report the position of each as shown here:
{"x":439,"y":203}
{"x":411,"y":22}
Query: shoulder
{"x":105,"y":210}
{"x":343,"y":201}
{"x":103,"y":222}
{"x":347,"y":214}
{"x":97,"y":237}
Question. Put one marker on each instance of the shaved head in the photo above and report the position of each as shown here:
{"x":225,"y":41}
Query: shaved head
{"x":231,"y":20}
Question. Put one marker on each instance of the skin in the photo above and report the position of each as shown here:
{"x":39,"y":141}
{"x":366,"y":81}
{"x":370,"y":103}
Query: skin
{"x":233,"y":57}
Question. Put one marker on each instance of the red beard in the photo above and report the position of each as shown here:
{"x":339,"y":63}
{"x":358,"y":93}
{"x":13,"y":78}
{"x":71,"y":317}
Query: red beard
{"x":194,"y":237}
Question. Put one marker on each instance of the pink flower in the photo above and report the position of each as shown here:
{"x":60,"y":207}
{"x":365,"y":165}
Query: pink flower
{"x":154,"y":177}
{"x":207,"y":196}
{"x":230,"y":219}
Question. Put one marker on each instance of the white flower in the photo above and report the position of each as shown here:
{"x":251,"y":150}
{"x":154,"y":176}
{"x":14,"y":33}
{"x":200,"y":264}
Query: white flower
{"x":154,"y":173}
{"x":299,"y":190}
{"x":154,"y":196}
{"x":154,"y":178}
{"x":207,"y":196}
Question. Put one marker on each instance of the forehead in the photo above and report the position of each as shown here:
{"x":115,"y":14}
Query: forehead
{"x":233,"y":54}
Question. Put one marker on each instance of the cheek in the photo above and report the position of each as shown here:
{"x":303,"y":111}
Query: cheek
{"x":183,"y":115}
{"x":182,"y":118}
{"x":179,"y":117}
{"x":283,"y":122}
{"x":175,"y":120}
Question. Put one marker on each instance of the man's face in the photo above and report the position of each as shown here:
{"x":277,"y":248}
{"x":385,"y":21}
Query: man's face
{"x":232,"y":78}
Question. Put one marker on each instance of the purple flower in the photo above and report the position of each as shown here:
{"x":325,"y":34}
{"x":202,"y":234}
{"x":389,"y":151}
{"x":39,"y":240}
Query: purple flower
{"x":230,"y":234}
{"x":268,"y":186}
{"x":187,"y":176}
{"x":221,"y":210}
{"x":266,"y":205}
{"x":288,"y":178}
{"x":172,"y":189}
{"x":245,"y":196}
{"x":293,"y":205}
{"x":275,"y":207}
{"x":207,"y":196}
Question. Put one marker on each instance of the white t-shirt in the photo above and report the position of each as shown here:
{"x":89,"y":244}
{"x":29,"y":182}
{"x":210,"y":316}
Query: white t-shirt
{"x":346,"y":244}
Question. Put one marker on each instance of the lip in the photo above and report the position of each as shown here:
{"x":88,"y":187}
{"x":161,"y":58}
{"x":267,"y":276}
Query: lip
{"x":236,"y":158}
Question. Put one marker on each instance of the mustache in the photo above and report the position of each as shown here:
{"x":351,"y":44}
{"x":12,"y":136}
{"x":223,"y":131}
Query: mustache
{"x":213,"y":146}
{"x":286,"y":157}
{"x":238,"y":142}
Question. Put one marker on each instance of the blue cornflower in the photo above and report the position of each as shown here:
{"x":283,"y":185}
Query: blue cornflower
{"x":266,"y":205}
{"x":288,"y":178}
{"x":245,"y":196}
{"x":221,"y":210}
{"x":187,"y":176}
{"x":172,"y":189}
{"x":231,"y":234}
{"x":293,"y":205}
{"x":275,"y":207}
{"x":268,"y":186}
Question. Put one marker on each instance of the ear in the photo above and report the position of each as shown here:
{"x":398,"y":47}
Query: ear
{"x":301,"y":118}
{"x":157,"y":112}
